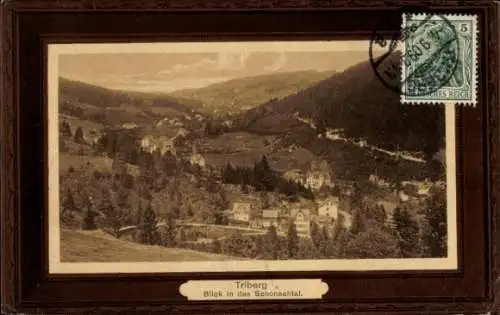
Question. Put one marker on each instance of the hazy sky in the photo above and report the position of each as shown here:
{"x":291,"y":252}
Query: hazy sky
{"x":180,"y":67}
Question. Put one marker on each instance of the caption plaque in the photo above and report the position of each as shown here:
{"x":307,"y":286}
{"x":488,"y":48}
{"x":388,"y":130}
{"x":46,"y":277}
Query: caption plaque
{"x":197,"y":290}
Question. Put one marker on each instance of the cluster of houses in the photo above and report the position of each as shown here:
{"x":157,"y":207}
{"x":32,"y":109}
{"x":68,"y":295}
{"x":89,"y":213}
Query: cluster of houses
{"x":322,"y":212}
{"x":177,"y":121}
{"x":418,"y":189}
{"x":173,"y":122}
{"x":315,"y":177}
{"x":378,"y":181}
{"x":410,"y":188}
{"x":318,"y":176}
{"x":162,"y":144}
{"x":166,"y":144}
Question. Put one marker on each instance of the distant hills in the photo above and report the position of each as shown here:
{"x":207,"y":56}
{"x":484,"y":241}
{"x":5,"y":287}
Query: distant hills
{"x":107,"y":106}
{"x":241,"y":94}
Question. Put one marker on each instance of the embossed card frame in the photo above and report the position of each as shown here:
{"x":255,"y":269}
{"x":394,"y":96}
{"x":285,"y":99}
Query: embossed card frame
{"x":27,"y":28}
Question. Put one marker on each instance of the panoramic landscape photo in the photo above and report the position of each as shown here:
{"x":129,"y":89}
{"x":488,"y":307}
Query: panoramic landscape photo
{"x":228,"y":154}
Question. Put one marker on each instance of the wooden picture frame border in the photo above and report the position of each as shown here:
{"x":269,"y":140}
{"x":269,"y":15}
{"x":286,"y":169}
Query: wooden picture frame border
{"x":27,"y":288}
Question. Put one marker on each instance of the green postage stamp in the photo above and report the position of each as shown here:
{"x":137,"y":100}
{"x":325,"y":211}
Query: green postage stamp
{"x":439,"y":62}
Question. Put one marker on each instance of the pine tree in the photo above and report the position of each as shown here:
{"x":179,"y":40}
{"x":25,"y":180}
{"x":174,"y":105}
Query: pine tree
{"x":119,"y":165}
{"x":66,"y":129}
{"x":338,"y":227}
{"x":229,"y":175}
{"x":89,"y":219}
{"x":325,"y":240}
{"x":102,"y":143}
{"x":357,"y":223}
{"x":267,"y":178}
{"x":216,"y":246}
{"x":219,"y":204}
{"x":321,"y":124}
{"x":170,"y":231}
{"x":270,"y":248}
{"x":182,"y":235}
{"x":264,"y":198}
{"x":434,"y":234}
{"x":113,"y":214}
{"x":138,"y":215}
{"x":307,"y":249}
{"x":381,"y":214}
{"x":69,"y":203}
{"x":407,"y":231}
{"x":244,"y":188}
{"x":79,"y":136}
{"x":263,"y":177}
{"x":149,"y":232}
{"x":292,"y":240}
{"x":315,"y":233}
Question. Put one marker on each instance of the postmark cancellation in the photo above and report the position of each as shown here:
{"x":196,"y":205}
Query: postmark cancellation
{"x":439,"y":59}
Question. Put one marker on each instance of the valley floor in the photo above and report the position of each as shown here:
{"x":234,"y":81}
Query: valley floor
{"x":98,"y":246}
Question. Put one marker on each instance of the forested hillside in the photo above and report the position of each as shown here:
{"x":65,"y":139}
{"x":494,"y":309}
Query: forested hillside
{"x":356,"y":101}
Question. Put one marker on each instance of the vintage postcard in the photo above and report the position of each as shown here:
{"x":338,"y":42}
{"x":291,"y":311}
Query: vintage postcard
{"x":243,"y":156}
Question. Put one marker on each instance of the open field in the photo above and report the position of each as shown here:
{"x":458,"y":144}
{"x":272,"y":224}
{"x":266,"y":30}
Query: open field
{"x":97,"y":246}
{"x":235,"y":142}
{"x":100,"y":163}
{"x":76,"y":122}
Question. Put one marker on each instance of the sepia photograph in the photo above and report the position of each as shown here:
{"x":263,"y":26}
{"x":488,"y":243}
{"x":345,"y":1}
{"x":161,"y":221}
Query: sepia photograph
{"x":243,"y":156}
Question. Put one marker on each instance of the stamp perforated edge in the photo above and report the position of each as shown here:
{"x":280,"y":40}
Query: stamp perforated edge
{"x":475,"y":74}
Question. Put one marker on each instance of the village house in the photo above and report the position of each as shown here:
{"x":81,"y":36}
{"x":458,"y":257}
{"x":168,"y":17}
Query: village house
{"x":91,"y":136}
{"x":173,"y":121}
{"x":376,"y":180}
{"x":334,"y":134}
{"x":196,"y":158}
{"x":318,"y":175}
{"x":283,"y":215}
{"x":163,"y":144}
{"x":269,"y":217}
{"x":182,"y":132}
{"x":423,"y":191}
{"x":440,"y":184}
{"x":241,"y":211}
{"x":320,"y":165}
{"x":129,"y":125}
{"x":329,"y":207}
{"x":295,"y":176}
{"x":301,"y":219}
{"x":322,"y":221}
{"x":362,"y":143}
{"x":293,"y":147}
{"x":422,"y":187}
{"x":316,"y":180}
{"x":161,"y":122}
{"x":373,"y":178}
{"x":403,"y":197}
